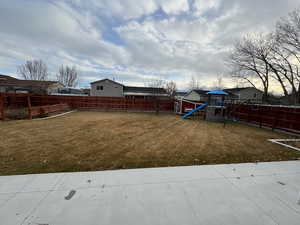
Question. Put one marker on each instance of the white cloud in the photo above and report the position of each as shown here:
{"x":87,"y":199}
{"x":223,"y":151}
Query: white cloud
{"x":174,"y":6}
{"x":202,"y":6}
{"x":132,"y":39}
{"x":126,"y":9}
{"x":51,"y":28}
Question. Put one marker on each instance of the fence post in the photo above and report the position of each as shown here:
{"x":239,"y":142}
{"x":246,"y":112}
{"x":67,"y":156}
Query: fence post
{"x":260,"y":117}
{"x":157,"y":105}
{"x":274,"y":125}
{"x":29,"y":107}
{"x":2,"y":107}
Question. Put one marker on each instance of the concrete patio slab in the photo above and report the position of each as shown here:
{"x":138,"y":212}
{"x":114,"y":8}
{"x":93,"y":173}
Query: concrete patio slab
{"x":249,"y":193}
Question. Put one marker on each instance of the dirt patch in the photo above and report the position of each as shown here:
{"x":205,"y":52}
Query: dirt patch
{"x":85,"y":141}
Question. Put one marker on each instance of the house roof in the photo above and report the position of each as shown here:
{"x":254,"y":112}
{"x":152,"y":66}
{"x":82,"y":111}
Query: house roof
{"x":106,"y":79}
{"x":6,"y":77}
{"x":8,"y":80}
{"x":200,"y":91}
{"x":237,"y":89}
{"x":128,"y":90}
{"x":28,"y":82}
{"x":180,"y":93}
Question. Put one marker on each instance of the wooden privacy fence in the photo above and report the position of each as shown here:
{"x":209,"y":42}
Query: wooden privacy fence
{"x":84,"y":102}
{"x":281,"y":117}
{"x":276,"y":117}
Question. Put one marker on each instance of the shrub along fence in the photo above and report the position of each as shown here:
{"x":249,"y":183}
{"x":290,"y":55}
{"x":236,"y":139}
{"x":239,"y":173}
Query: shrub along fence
{"x":13,"y":101}
{"x":276,"y":117}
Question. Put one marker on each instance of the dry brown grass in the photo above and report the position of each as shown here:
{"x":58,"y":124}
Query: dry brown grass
{"x":86,"y":141}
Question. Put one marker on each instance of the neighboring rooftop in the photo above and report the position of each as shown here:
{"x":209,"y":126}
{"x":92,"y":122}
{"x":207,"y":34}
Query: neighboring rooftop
{"x":8,"y":80}
{"x":200,"y":91}
{"x":27,"y":82}
{"x":128,"y":90}
{"x":106,"y":79}
{"x":181,"y":93}
{"x":6,"y":77}
{"x":236,"y":89}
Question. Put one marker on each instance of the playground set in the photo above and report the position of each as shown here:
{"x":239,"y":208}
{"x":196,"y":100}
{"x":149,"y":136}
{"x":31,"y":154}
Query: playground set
{"x":220,"y":108}
{"x":212,"y":110}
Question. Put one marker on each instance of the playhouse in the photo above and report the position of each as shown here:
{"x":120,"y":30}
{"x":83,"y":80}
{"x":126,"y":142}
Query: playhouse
{"x":215,"y":111}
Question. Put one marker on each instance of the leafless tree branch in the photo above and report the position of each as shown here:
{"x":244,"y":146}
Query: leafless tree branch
{"x":33,"y":70}
{"x":68,"y":76}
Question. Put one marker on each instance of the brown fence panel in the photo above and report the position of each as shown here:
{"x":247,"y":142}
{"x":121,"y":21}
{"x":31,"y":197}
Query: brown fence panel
{"x":89,"y":102}
{"x":281,"y":117}
{"x":2,"y":112}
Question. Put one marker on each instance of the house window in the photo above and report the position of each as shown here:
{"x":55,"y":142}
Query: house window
{"x":100,"y":88}
{"x":254,"y":95}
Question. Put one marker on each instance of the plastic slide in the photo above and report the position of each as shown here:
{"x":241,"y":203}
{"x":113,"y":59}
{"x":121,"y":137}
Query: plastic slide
{"x":200,"y":107}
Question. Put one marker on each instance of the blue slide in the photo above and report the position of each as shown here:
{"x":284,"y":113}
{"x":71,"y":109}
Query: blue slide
{"x":194,"y":110}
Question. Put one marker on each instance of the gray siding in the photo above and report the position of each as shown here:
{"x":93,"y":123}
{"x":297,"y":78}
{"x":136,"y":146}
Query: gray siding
{"x":194,"y":96}
{"x":250,"y":93}
{"x":110,"y":89}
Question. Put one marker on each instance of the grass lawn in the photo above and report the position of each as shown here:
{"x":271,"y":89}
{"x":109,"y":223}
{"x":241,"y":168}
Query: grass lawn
{"x":85,"y":141}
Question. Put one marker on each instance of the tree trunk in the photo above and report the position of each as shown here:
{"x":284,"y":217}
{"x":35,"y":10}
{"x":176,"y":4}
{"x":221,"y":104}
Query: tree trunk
{"x":265,"y":98}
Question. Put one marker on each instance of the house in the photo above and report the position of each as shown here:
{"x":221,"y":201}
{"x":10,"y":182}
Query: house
{"x":10,"y":84}
{"x":107,"y":88}
{"x":246,"y":93}
{"x":180,"y":94}
{"x":110,"y":88}
{"x":196,"y":95}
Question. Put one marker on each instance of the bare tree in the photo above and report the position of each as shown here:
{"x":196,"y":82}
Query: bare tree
{"x":156,"y":83}
{"x":282,"y":68}
{"x":248,"y":61}
{"x":33,"y":70}
{"x":288,"y":31}
{"x":171,"y":89}
{"x":218,"y":83}
{"x":288,"y":40}
{"x":194,"y":83}
{"x":68,"y":76}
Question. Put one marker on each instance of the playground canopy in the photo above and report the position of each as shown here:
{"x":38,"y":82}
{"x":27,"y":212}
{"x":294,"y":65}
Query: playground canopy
{"x":217,"y":92}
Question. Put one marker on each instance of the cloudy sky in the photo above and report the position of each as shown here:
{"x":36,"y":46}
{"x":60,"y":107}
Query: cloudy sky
{"x":133,"y":41}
